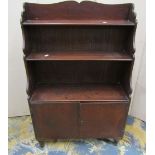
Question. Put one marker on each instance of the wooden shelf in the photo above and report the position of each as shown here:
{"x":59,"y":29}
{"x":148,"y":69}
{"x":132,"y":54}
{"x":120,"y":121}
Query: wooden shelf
{"x":79,"y":55}
{"x":80,"y":22}
{"x":82,"y":92}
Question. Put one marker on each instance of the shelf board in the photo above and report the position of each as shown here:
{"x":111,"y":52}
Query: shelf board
{"x":79,"y":55}
{"x":80,"y":22}
{"x":84,"y":92}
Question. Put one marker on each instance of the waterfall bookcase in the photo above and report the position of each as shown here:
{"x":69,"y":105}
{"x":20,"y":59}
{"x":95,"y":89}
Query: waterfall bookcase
{"x":79,"y":59}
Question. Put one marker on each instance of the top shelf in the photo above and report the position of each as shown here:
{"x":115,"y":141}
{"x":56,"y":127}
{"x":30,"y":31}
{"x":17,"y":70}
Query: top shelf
{"x":83,"y":13}
{"x":80,"y":22}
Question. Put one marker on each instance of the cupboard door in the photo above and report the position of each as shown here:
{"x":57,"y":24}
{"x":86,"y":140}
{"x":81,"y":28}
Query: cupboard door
{"x":55,"y":120}
{"x":102,"y":120}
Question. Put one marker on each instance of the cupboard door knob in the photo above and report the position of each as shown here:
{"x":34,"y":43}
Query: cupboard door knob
{"x":82,"y":122}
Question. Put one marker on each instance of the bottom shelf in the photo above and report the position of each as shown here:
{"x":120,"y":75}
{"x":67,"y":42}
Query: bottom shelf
{"x":89,"y":92}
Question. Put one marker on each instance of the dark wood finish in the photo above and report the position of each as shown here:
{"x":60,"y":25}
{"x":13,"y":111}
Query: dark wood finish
{"x":78,"y":59}
{"x":73,"y":10}
{"x":79,"y":119}
{"x":108,"y":121}
{"x":80,"y":55}
{"x":80,"y":22}
{"x":79,"y":93}
{"x":55,"y":120}
{"x":78,"y":72}
{"x":49,"y":39}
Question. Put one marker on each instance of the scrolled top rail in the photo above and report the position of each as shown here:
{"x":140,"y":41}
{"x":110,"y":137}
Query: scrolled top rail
{"x":80,"y":11}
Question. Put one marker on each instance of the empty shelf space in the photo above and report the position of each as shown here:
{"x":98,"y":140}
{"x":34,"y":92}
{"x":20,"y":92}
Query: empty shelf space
{"x":81,"y":92}
{"x":79,"y":22}
{"x":85,"y":55}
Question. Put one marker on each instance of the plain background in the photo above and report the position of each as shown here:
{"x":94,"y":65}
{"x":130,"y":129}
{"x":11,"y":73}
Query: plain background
{"x":17,"y":78}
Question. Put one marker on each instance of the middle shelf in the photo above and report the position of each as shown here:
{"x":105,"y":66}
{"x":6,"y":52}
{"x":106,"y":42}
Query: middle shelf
{"x":79,"y":55}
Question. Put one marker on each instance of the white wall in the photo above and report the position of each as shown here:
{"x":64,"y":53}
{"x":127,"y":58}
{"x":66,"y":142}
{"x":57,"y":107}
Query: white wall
{"x":17,"y":79}
{"x":138,"y":108}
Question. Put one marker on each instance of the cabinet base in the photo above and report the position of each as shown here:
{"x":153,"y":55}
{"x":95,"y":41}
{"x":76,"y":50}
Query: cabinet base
{"x":107,"y":140}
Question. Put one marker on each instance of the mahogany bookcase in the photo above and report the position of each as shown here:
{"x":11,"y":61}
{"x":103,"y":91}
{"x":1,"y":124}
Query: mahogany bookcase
{"x":79,"y":59}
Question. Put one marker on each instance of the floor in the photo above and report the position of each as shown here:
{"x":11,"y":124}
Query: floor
{"x":23,"y":142}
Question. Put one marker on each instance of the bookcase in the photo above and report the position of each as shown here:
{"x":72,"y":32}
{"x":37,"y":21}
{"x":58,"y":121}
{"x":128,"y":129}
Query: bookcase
{"x":78,"y":59}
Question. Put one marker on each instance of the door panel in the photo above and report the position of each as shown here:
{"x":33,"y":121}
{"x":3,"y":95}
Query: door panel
{"x":100,"y":119}
{"x":55,"y":120}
